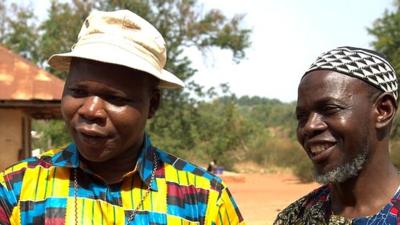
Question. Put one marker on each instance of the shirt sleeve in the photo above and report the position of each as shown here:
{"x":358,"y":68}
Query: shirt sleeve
{"x":228,"y":211}
{"x":5,"y":205}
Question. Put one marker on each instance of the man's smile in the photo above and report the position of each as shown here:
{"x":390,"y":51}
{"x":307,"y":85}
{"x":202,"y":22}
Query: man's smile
{"x":319,"y":150}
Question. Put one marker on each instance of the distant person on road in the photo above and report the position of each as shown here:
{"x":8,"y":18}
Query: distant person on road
{"x":112,"y":173}
{"x":346,"y":104}
{"x":212,"y":166}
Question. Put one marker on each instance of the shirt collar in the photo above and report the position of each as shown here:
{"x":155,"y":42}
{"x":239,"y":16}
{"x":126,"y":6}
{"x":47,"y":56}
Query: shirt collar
{"x":145,"y":163}
{"x":69,"y":157}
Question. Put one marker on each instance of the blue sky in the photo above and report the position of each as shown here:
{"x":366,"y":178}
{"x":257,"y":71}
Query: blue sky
{"x":287,"y":37}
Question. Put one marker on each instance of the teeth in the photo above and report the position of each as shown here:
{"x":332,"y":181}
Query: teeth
{"x":319,"y":148}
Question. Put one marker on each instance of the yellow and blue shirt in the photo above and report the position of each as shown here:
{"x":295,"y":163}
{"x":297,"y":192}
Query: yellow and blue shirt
{"x":41,"y":191}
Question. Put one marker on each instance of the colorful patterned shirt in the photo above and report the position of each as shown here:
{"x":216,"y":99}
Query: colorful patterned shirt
{"x":315,"y":208}
{"x":42,"y":191}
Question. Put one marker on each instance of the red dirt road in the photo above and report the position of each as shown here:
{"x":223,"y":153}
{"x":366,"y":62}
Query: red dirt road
{"x":261,"y":196}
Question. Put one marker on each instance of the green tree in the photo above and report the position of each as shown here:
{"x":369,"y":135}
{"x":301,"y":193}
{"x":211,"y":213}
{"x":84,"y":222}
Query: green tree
{"x":51,"y":134}
{"x":19,"y":30}
{"x":3,"y":16}
{"x":386,"y":31}
{"x":60,"y":29}
{"x":182,"y":23}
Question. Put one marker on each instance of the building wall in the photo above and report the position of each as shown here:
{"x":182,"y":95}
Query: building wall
{"x":11,"y":136}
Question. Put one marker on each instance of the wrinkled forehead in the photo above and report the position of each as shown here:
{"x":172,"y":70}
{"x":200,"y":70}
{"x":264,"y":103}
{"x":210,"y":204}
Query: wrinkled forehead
{"x":366,"y":65}
{"x":320,"y":85}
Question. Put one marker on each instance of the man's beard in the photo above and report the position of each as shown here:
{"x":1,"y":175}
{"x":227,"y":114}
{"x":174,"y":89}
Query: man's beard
{"x":346,"y":170}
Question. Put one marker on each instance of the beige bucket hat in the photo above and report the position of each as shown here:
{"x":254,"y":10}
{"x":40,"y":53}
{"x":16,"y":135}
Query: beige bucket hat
{"x":123,"y":38}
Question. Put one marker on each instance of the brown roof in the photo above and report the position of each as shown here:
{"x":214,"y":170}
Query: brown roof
{"x":20,"y":79}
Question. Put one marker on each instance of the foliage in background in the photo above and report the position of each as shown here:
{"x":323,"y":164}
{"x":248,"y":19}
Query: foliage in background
{"x":386,"y":31}
{"x":50,"y":134}
{"x":184,"y":24}
{"x":227,"y":128}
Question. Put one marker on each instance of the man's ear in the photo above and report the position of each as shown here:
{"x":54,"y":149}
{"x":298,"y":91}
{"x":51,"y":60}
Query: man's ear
{"x":386,"y":109}
{"x":154,"y":103}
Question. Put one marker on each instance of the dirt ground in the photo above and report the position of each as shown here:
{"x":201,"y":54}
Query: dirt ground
{"x":261,"y":196}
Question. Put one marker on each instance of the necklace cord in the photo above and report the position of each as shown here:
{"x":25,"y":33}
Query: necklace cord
{"x":135,"y":211}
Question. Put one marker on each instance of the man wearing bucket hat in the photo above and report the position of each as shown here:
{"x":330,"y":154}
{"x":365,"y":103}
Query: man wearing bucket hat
{"x":112,"y":174}
{"x":346,"y":104}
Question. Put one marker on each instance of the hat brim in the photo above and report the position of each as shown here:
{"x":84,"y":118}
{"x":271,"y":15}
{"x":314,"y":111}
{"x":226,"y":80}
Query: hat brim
{"x":114,"y":55}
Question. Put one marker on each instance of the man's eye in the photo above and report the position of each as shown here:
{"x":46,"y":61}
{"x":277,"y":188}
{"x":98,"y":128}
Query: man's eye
{"x":116,"y":100}
{"x":331,"y":109}
{"x":76,"y":92}
{"x":301,"y":117}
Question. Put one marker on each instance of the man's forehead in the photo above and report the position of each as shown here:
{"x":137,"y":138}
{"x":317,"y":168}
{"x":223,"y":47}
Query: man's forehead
{"x":326,"y":84}
{"x":103,"y":81}
{"x":328,"y":78}
{"x":83,"y":63}
{"x":82,"y":69}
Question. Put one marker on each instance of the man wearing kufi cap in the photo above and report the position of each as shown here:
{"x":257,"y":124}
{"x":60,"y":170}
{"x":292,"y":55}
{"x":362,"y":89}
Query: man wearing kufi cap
{"x":111,"y":173}
{"x":346,"y":104}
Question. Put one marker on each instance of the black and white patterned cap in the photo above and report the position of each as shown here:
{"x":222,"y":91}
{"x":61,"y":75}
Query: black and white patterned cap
{"x":364,"y":64}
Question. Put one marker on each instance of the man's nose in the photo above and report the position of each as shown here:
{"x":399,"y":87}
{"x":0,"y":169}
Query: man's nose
{"x":92,"y":109}
{"x":314,"y":124}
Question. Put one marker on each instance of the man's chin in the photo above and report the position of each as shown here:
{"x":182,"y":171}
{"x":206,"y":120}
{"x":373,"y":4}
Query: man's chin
{"x":94,"y":155}
{"x":343,"y":172}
